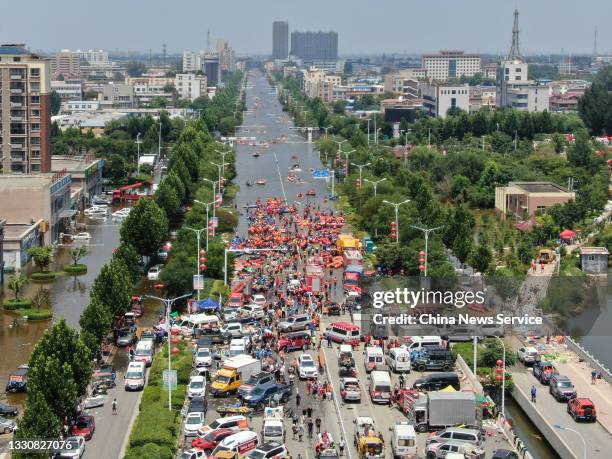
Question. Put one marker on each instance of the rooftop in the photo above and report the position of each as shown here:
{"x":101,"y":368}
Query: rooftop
{"x":11,"y":48}
{"x":72,"y":163}
{"x":539,"y":187}
{"x":594,"y":251}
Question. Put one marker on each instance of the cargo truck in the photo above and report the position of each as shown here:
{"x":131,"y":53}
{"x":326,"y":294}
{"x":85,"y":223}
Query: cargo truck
{"x":233,"y":374}
{"x":438,"y":410}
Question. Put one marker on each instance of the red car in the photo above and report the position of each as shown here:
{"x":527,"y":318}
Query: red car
{"x":210,"y":441}
{"x":85,"y":426}
{"x":582,"y":409}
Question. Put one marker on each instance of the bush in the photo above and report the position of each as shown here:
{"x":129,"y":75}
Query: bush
{"x":150,"y":451}
{"x":11,"y":305}
{"x":44,"y":276}
{"x":35,"y":314}
{"x":79,"y":268}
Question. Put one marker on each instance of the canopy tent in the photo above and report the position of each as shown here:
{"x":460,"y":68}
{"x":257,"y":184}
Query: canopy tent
{"x":567,"y":234}
{"x":208,"y":304}
{"x":448,"y":389}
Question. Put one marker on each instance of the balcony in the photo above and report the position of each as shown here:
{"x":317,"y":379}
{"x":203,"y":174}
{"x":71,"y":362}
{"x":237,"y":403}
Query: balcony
{"x":17,"y":76}
{"x":16,"y":118}
{"x":16,"y":146}
{"x":16,"y":104}
{"x":17,"y":157}
{"x":16,"y":91}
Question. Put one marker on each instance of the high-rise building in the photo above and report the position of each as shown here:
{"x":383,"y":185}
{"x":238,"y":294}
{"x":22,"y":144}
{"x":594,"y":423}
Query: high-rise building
{"x":451,"y":64}
{"x":95,"y":57}
{"x":192,"y":61}
{"x":190,"y":86}
{"x":280,"y":40}
{"x":211,"y":68}
{"x":310,"y":46}
{"x":25,"y":109}
{"x":67,"y":64}
{"x":227,"y":56}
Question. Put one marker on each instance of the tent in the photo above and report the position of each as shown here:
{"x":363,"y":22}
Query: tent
{"x":567,"y":234}
{"x":208,"y":304}
{"x":448,"y":389}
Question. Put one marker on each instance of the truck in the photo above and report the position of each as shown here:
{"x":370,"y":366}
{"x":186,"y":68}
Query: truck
{"x":234,"y":372}
{"x":314,"y":275}
{"x":438,"y":410}
{"x":353,"y":261}
{"x":273,"y":428}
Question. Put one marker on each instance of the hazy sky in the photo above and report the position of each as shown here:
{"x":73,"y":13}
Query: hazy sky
{"x":364,"y":26}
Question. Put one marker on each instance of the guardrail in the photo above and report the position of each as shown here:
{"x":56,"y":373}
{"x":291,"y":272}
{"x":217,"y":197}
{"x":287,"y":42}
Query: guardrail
{"x":590,"y":358}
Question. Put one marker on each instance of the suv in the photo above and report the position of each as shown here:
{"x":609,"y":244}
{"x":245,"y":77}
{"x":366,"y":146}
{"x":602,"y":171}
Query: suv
{"x":292,"y":341}
{"x":260,"y":379}
{"x":527,"y":355}
{"x":582,"y":409}
{"x":295,"y":323}
{"x":543,"y":371}
{"x":561,"y":388}
{"x":261,"y":396}
{"x":268,"y":451}
{"x":434,"y":359}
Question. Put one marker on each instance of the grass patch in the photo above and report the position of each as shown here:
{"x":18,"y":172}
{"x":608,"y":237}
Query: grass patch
{"x":12,"y":305}
{"x":79,"y":268}
{"x":44,"y":276}
{"x":35,"y":314}
{"x":156,"y":428}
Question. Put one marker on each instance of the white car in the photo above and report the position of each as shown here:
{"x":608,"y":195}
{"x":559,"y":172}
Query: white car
{"x":307,"y":367}
{"x":196,"y":387}
{"x":259,"y":300}
{"x":193,"y":453}
{"x":203,"y":357}
{"x":254,"y":311}
{"x":193,"y":422}
{"x":527,"y":355}
{"x":75,"y":448}
{"x":154,"y":272}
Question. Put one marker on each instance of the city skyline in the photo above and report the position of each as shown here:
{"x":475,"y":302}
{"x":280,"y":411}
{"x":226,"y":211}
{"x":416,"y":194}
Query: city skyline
{"x":391,"y":28}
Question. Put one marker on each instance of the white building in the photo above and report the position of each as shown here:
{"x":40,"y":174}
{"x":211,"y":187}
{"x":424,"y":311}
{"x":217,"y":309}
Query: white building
{"x":193,"y":60}
{"x":76,"y":106}
{"x":438,"y":98}
{"x":93,"y":57}
{"x":451,"y":64}
{"x":190,"y":86}
{"x":68,"y":89}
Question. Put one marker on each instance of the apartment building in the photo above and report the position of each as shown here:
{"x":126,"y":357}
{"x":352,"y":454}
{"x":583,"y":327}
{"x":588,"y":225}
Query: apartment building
{"x":451,"y":64}
{"x":396,"y":82}
{"x":311,"y":46}
{"x":439,"y":98}
{"x":116,"y":95}
{"x":95,"y":57}
{"x":280,"y":40}
{"x":190,"y":86}
{"x":25,"y":111}
{"x":68,"y":89}
{"x":67,"y":64}
{"x":482,"y":97}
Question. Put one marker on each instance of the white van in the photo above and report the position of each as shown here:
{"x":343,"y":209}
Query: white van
{"x":144,"y":352}
{"x":398,"y":360}
{"x":241,"y":443}
{"x":198,"y":321}
{"x":135,"y":376}
{"x":403,"y":440}
{"x":374,"y":357}
{"x":237,"y":347}
{"x":418,"y":342}
{"x":380,"y":386}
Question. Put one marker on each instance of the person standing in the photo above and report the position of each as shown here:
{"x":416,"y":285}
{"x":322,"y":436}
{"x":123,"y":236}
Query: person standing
{"x":310,"y":426}
{"x":533,"y":393}
{"x":297,"y":400}
{"x":318,"y":424}
{"x":114,"y":404}
{"x":341,"y":446}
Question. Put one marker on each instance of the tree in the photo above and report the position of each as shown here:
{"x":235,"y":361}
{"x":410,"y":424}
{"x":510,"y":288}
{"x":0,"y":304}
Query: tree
{"x":41,"y":256}
{"x":227,"y":125}
{"x":130,"y":258}
{"x":113,"y":287}
{"x":56,"y":102}
{"x":481,"y":258}
{"x":42,"y":298}
{"x":595,"y":108}
{"x":115,"y":168}
{"x":54,"y":380}
{"x":580,"y":152}
{"x":96,"y":319}
{"x":38,"y":421}
{"x":135,"y":68}
{"x":559,"y":142}
{"x":16,"y":285}
{"x":76,"y":253}
{"x":167,"y":198}
{"x":145,"y":228}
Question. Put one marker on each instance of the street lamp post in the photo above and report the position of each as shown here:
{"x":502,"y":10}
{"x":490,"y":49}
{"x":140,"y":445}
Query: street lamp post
{"x":368,"y":132}
{"x":207,"y":222}
{"x":405,"y":132}
{"x":215,"y":184}
{"x":198,"y":232}
{"x":503,"y":400}
{"x":346,"y":157}
{"x":396,"y":205}
{"x":326,"y":129}
{"x":159,"y":142}
{"x":426,"y":231}
{"x":361,"y":166}
{"x":222,"y":153}
{"x":168,"y":302}
{"x":377,"y":131}
{"x":375,"y":183}
{"x":219,"y":167}
{"x":584,"y":447}
{"x":138,"y":142}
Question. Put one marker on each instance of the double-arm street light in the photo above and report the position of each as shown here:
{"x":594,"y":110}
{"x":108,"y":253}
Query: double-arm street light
{"x":198,"y":232}
{"x":207,"y":205}
{"x":396,"y":205}
{"x":326,"y":129}
{"x":222,"y":153}
{"x":426,"y":232}
{"x":361,"y":166}
{"x":168,"y":302}
{"x":346,"y":157}
{"x":219,"y":167}
{"x":375,"y":183}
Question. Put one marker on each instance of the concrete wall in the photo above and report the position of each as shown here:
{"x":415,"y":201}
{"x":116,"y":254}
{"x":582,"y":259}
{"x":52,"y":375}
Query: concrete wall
{"x":549,"y":432}
{"x":470,"y":376}
{"x":515,"y":440}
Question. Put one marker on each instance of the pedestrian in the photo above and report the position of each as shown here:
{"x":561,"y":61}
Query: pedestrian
{"x":308,"y":385}
{"x":318,"y":424}
{"x":300,"y":432}
{"x":329,"y":341}
{"x":309,"y":411}
{"x":402,"y":380}
{"x":533,"y":393}
{"x":115,"y":403}
{"x":341,"y":446}
{"x":593,"y":376}
{"x":310,"y":426}
{"x":295,"y":431}
{"x":297,"y":400}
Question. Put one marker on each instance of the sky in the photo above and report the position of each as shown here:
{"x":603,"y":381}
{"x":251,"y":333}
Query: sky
{"x":364,"y":26}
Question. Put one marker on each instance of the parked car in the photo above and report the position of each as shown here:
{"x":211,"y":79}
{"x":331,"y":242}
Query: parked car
{"x":232,"y":330}
{"x":253,"y":311}
{"x":262,"y":395}
{"x":259,"y":300}
{"x":126,"y":337}
{"x":306,"y":367}
{"x":210,"y":441}
{"x":441,"y":450}
{"x":8,"y":410}
{"x":18,"y":380}
{"x":528,"y":355}
{"x":582,"y":409}
{"x":456,"y":435}
{"x":561,"y":388}
{"x":350,"y":390}
{"x":197,"y":405}
{"x":433,"y":359}
{"x":85,"y":426}
{"x":294,"y":341}
{"x":295,"y":323}
{"x":543,"y":371}
{"x":257,"y":380}
{"x":196,"y":387}
{"x":504,"y":454}
{"x":7,"y":425}
{"x":193,"y":454}
{"x":74,"y":448}
{"x":193,"y":422}
{"x":203,"y":357}
{"x":162,"y":255}
{"x":154,"y":272}
{"x":270,"y":450}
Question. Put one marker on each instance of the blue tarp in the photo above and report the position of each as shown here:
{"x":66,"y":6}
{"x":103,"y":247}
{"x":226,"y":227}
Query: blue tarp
{"x":208,"y":304}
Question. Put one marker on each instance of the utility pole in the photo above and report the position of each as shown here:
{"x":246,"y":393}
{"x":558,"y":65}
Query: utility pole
{"x":138,"y":142}
{"x":159,"y":142}
{"x":426,"y":231}
{"x":396,"y":205}
{"x":198,"y":232}
{"x":346,"y":156}
{"x":207,"y":205}
{"x":515,"y":139}
{"x":368,"y":132}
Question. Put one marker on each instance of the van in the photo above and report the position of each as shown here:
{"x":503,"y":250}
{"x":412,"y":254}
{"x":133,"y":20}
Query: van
{"x":235,"y":423}
{"x":431,"y":358}
{"x":417,"y":342}
{"x":374,"y":357}
{"x":403,"y":440}
{"x":198,"y":321}
{"x":241,"y":443}
{"x":144,"y":352}
{"x":135,"y":376}
{"x":380,"y":387}
{"x":237,"y":347}
{"x":293,"y":341}
{"x":343,"y":332}
{"x":398,"y":360}
{"x":437,"y":381}
{"x":456,"y":434}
